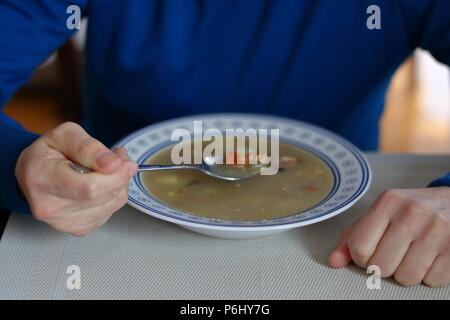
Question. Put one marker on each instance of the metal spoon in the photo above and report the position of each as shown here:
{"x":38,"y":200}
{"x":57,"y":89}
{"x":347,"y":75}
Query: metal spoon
{"x":208,"y":166}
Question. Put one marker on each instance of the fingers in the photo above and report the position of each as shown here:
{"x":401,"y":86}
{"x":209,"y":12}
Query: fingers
{"x":341,"y":257}
{"x":395,"y":243}
{"x":439,"y":273}
{"x":71,"y":140}
{"x":67,"y":200}
{"x":416,"y":262}
{"x":122,"y":153}
{"x":84,"y":221}
{"x":75,"y":207}
{"x":403,"y":237}
{"x":69,"y":184}
{"x":366,"y":235}
{"x":103,"y":214}
{"x":391,"y":250}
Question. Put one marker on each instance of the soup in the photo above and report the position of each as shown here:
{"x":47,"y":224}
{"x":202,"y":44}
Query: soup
{"x":302,"y":181}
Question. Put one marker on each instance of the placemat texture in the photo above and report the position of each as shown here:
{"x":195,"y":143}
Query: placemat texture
{"x":135,"y":256}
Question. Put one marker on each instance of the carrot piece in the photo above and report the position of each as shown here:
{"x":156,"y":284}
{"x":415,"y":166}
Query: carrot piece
{"x":288,"y":161}
{"x":235,"y":159}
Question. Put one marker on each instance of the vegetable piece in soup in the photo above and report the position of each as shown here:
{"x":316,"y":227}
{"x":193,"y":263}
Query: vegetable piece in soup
{"x":302,"y":181}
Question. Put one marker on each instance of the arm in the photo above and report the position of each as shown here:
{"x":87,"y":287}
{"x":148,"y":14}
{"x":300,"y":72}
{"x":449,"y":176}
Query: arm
{"x":435,"y":37}
{"x":433,"y":33}
{"x":37,"y":168}
{"x":406,"y":233}
{"x":30,"y":31}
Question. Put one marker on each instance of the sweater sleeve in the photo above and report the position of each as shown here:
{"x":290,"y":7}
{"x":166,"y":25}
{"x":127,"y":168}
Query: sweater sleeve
{"x":431,"y":20}
{"x":30,"y":31}
{"x":441,"y":182}
{"x":13,"y":140}
{"x":433,"y":32}
{"x":435,"y":37}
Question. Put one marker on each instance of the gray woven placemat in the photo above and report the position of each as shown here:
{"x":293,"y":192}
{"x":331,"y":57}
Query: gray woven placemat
{"x":138,"y":257}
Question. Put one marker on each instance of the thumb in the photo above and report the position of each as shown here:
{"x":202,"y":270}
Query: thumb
{"x":77,"y":145}
{"x":340,"y":257}
{"x":122,"y":153}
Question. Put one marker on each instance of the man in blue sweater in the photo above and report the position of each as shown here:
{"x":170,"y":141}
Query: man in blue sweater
{"x":323,"y":61}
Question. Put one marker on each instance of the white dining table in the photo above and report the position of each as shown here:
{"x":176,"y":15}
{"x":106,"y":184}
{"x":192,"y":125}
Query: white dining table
{"x":135,"y":256}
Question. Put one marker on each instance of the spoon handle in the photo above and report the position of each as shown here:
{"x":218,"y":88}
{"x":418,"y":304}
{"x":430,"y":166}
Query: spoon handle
{"x":153,"y":167}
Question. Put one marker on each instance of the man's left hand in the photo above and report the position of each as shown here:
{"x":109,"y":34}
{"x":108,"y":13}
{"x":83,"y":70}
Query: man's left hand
{"x":406,"y":233}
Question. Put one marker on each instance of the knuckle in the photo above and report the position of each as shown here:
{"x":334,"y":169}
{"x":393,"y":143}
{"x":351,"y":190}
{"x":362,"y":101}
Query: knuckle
{"x":384,"y":198}
{"x":413,"y":207}
{"x":68,"y":126}
{"x":29,"y":181}
{"x":24,"y":160}
{"x":440,"y":223}
{"x":388,"y":195}
{"x":42,"y":213}
{"x":87,"y":146}
{"x":89,"y":190}
{"x":439,"y":227}
{"x":76,"y":229}
{"x":34,"y":182}
{"x":386,"y":271}
{"x":412,"y":213}
{"x":26,"y":174}
{"x":64,"y":129}
{"x":359,"y":253}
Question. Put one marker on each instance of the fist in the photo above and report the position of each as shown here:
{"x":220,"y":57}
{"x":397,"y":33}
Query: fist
{"x":67,"y":200}
{"x":406,"y":233}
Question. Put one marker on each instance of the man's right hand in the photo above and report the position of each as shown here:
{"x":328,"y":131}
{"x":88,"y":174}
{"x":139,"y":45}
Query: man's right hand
{"x":67,"y":200}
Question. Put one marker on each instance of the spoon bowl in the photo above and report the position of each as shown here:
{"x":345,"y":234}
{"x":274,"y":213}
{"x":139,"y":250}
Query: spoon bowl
{"x":229,"y":172}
